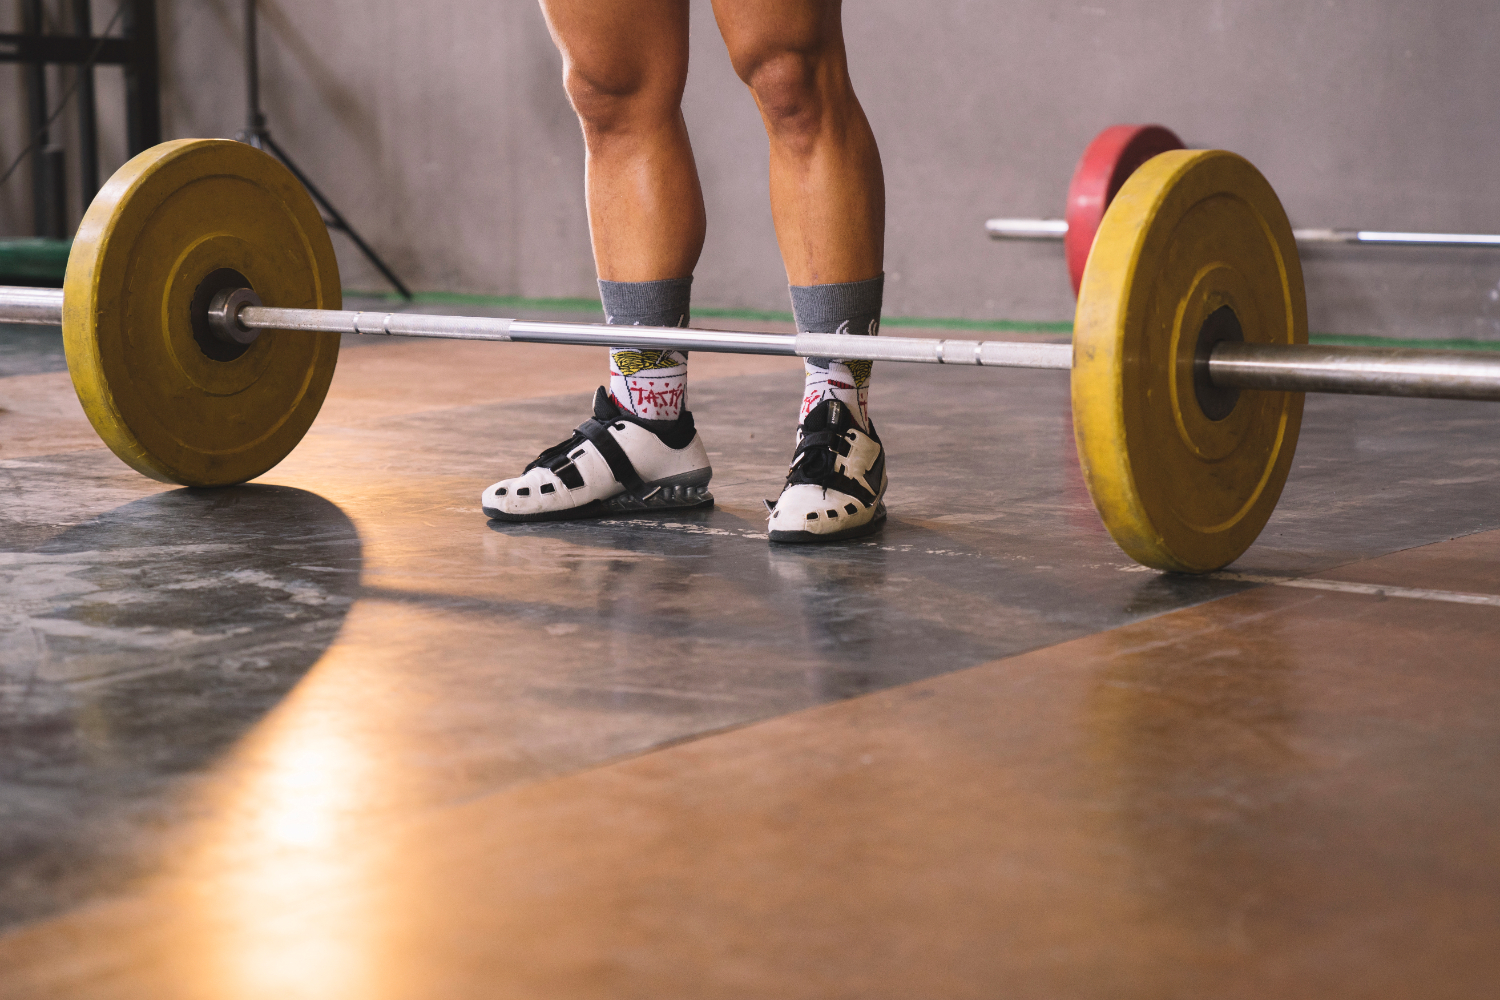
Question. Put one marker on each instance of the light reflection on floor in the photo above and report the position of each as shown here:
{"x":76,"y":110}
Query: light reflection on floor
{"x":363,"y":654}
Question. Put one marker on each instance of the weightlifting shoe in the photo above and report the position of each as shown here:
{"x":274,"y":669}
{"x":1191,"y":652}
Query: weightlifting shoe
{"x":615,"y":463}
{"x":836,"y":484}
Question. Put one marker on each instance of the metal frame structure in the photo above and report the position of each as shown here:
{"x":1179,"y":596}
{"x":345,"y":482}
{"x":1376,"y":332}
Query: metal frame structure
{"x":257,"y":134}
{"x":135,"y":50}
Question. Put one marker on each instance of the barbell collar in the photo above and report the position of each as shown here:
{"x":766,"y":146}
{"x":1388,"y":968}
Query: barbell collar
{"x":1362,"y":371}
{"x":224,"y":311}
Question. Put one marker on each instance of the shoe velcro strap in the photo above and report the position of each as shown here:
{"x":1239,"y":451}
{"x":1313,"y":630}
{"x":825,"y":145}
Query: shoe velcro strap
{"x":598,"y":432}
{"x":826,"y":451}
{"x":554,"y":456}
{"x":834,"y":481}
{"x":846,"y":485}
{"x":821,"y":439}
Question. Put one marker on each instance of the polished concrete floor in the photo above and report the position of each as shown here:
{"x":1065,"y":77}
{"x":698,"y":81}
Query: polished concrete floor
{"x":332,"y":734}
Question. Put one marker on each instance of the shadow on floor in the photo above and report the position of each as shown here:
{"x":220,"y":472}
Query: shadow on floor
{"x":137,"y":646}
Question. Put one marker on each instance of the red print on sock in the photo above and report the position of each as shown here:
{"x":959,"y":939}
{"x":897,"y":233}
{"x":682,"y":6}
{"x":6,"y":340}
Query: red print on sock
{"x":652,"y":396}
{"x":811,"y":400}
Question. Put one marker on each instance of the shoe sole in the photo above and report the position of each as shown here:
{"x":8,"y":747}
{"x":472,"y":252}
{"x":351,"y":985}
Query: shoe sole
{"x":813,"y":538}
{"x":596,"y":509}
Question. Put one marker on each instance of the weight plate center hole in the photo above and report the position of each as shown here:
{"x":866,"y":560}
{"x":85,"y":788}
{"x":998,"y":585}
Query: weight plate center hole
{"x":1221,"y":325}
{"x":217,"y":346}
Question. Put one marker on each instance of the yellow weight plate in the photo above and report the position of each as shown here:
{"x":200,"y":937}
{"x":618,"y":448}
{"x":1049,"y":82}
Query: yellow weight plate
{"x":1195,"y":248}
{"x":170,"y":227}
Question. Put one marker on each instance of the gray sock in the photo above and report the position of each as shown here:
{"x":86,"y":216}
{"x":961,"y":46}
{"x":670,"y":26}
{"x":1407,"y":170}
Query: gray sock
{"x":851,"y":307}
{"x":648,"y":382}
{"x":646,"y":303}
{"x":848,"y":307}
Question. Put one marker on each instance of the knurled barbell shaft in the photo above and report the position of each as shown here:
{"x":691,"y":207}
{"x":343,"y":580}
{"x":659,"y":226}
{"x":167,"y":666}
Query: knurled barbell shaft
{"x":1057,"y":229}
{"x":1289,"y":368}
{"x":44,"y":307}
{"x":1373,"y":371}
{"x":999,"y":354}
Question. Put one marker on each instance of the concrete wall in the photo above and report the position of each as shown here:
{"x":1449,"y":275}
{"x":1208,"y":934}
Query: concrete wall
{"x":443,"y":132}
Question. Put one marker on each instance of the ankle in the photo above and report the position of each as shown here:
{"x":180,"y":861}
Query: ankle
{"x":649,"y":384}
{"x":851,"y":307}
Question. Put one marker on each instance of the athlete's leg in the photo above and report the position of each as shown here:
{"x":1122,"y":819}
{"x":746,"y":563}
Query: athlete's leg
{"x":827,"y":190}
{"x":828,"y":202}
{"x":624,"y":67}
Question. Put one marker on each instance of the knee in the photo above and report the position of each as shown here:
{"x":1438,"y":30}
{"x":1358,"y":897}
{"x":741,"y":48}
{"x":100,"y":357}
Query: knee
{"x":789,"y":87}
{"x":614,"y":101}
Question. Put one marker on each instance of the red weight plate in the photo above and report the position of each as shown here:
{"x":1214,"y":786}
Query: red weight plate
{"x":1113,"y":156}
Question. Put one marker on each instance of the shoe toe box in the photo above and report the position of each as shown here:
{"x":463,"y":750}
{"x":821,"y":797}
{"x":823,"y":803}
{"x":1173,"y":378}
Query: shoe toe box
{"x":532,"y":493}
{"x":819,"y":511}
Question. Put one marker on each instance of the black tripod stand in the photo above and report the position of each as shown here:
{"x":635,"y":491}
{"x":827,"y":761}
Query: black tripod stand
{"x":257,"y":135}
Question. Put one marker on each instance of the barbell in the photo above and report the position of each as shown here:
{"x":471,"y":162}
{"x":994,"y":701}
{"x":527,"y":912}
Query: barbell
{"x":1116,"y":153}
{"x":201,"y":302}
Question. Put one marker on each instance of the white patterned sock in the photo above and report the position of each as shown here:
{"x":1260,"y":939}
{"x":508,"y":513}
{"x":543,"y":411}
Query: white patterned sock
{"x":851,"y":307}
{"x":846,"y":381}
{"x":649,"y":383}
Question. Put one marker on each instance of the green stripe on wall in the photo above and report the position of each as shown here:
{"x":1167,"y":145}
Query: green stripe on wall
{"x":34,"y":259}
{"x":486,"y":301}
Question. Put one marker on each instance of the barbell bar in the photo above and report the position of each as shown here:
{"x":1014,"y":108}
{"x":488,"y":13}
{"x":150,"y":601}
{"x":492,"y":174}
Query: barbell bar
{"x":1188,"y":363}
{"x":1117,"y":152}
{"x":1369,"y":371}
{"x":1055,"y":230}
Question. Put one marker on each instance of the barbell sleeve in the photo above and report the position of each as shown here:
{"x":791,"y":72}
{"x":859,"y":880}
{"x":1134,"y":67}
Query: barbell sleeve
{"x":1364,"y":371}
{"x":1027,"y":229}
{"x":31,"y":306}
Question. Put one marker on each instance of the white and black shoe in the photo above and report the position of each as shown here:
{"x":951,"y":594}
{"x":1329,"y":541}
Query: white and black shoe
{"x":836,"y":484}
{"x":615,"y":463}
